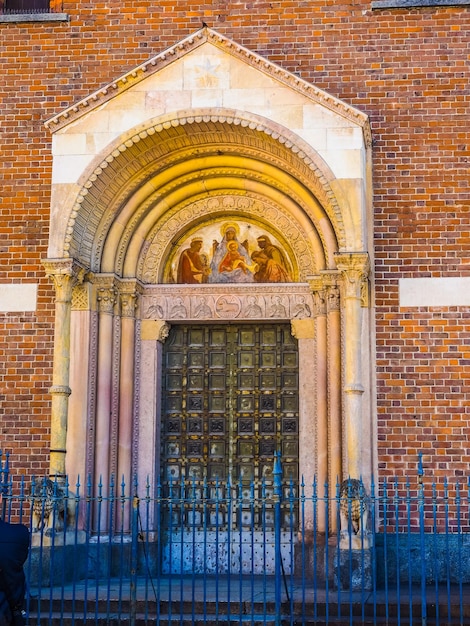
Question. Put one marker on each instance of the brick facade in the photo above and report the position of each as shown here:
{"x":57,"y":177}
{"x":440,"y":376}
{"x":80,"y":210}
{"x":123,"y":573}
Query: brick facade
{"x":406,"y":68}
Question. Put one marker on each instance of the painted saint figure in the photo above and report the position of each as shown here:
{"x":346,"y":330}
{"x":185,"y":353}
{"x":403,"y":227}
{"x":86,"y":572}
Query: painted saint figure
{"x":192,"y":267}
{"x":234,"y":260}
{"x":231,"y":262}
{"x":272,"y":263}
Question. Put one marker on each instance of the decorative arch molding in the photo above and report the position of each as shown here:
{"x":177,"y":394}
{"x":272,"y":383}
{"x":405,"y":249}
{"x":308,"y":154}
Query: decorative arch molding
{"x":308,"y":253}
{"x":147,"y":163}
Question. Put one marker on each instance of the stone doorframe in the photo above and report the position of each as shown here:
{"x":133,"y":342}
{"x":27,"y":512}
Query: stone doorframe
{"x":204,"y":131}
{"x":108,"y":347}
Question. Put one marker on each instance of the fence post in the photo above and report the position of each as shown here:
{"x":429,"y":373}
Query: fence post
{"x":277,"y":494}
{"x":4,"y":482}
{"x":424,"y":620}
{"x":134,"y":558}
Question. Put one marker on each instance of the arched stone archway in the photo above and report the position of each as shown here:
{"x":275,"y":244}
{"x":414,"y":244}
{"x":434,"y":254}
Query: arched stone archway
{"x":133,"y":176}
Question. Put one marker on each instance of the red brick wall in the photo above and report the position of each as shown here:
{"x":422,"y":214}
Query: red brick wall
{"x":409,"y":70}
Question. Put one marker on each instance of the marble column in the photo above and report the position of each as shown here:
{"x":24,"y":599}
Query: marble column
{"x":334,"y":387}
{"x":304,"y":331}
{"x":65,"y":274}
{"x":321,"y":414}
{"x":354,"y":269}
{"x":128,"y":299}
{"x":106,"y":299}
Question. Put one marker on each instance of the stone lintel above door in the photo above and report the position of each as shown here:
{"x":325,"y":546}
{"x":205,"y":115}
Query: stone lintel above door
{"x":219,"y":302}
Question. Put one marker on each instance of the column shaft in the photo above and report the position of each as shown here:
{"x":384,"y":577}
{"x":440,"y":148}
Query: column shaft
{"x":106,"y":300}
{"x":65,"y":275}
{"x":354,"y":269}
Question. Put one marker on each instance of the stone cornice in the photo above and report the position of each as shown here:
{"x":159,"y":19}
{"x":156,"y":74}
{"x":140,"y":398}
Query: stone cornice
{"x":140,"y":73}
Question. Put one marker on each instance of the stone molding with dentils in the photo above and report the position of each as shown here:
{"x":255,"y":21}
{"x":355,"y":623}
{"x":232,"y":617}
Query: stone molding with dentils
{"x":191,"y":42}
{"x":107,"y":184}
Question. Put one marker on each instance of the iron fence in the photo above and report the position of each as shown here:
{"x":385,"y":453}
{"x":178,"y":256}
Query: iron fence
{"x":199,"y":552}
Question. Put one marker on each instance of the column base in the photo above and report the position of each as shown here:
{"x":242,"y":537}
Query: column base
{"x":353,"y":569}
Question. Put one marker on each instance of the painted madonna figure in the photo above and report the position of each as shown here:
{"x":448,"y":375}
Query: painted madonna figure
{"x":231,"y":262}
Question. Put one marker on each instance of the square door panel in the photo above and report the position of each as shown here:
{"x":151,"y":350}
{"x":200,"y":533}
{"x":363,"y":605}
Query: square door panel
{"x":174,"y":359}
{"x":246,"y":449}
{"x":247,"y":337}
{"x":267,"y":426}
{"x":196,"y":359}
{"x":246,"y":359}
{"x":174,"y":382}
{"x":289,"y":449}
{"x":195,"y":381}
{"x":217,"y":471}
{"x":217,"y":359}
{"x":217,"y":449}
{"x":268,"y":337}
{"x":290,"y":380}
{"x":194,"y":426}
{"x":196,"y":337}
{"x":289,"y":404}
{"x":194,"y":448}
{"x":246,"y":471}
{"x":267,"y":381}
{"x":217,"y":381}
{"x":267,"y":403}
{"x":194,"y":403}
{"x":246,"y":426}
{"x":173,"y":449}
{"x":289,"y":359}
{"x":173,"y":403}
{"x":245,"y":404}
{"x":267,"y":448}
{"x":218,"y":337}
{"x":246,"y":381}
{"x":268,"y":359}
{"x":217,"y":426}
{"x":289,"y":426}
{"x":217,"y":404}
{"x":173,"y":426}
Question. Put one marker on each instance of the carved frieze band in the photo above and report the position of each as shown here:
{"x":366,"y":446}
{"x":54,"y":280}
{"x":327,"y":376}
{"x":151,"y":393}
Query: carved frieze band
{"x":174,"y":303}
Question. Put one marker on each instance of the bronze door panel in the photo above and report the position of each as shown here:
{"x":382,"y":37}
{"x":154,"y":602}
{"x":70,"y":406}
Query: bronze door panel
{"x":229,"y":402}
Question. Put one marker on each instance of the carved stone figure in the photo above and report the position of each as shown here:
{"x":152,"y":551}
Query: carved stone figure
{"x":48,"y":506}
{"x":354,"y":507}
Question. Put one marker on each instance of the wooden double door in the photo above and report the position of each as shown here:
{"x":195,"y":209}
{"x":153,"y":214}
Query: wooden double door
{"x":230,"y":401}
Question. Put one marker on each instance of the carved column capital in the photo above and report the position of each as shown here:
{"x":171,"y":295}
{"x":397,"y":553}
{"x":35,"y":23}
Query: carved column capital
{"x":65,"y":275}
{"x":128,"y":304}
{"x":354,"y":268}
{"x":129,"y":291}
{"x":106,"y":293}
{"x":319,"y":303}
{"x":332,"y":298}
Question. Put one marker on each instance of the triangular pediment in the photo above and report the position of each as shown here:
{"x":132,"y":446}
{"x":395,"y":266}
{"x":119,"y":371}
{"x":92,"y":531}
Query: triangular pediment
{"x":208,"y":65}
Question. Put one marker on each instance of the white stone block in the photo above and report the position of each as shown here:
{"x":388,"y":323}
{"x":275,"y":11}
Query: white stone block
{"x":18,"y":297}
